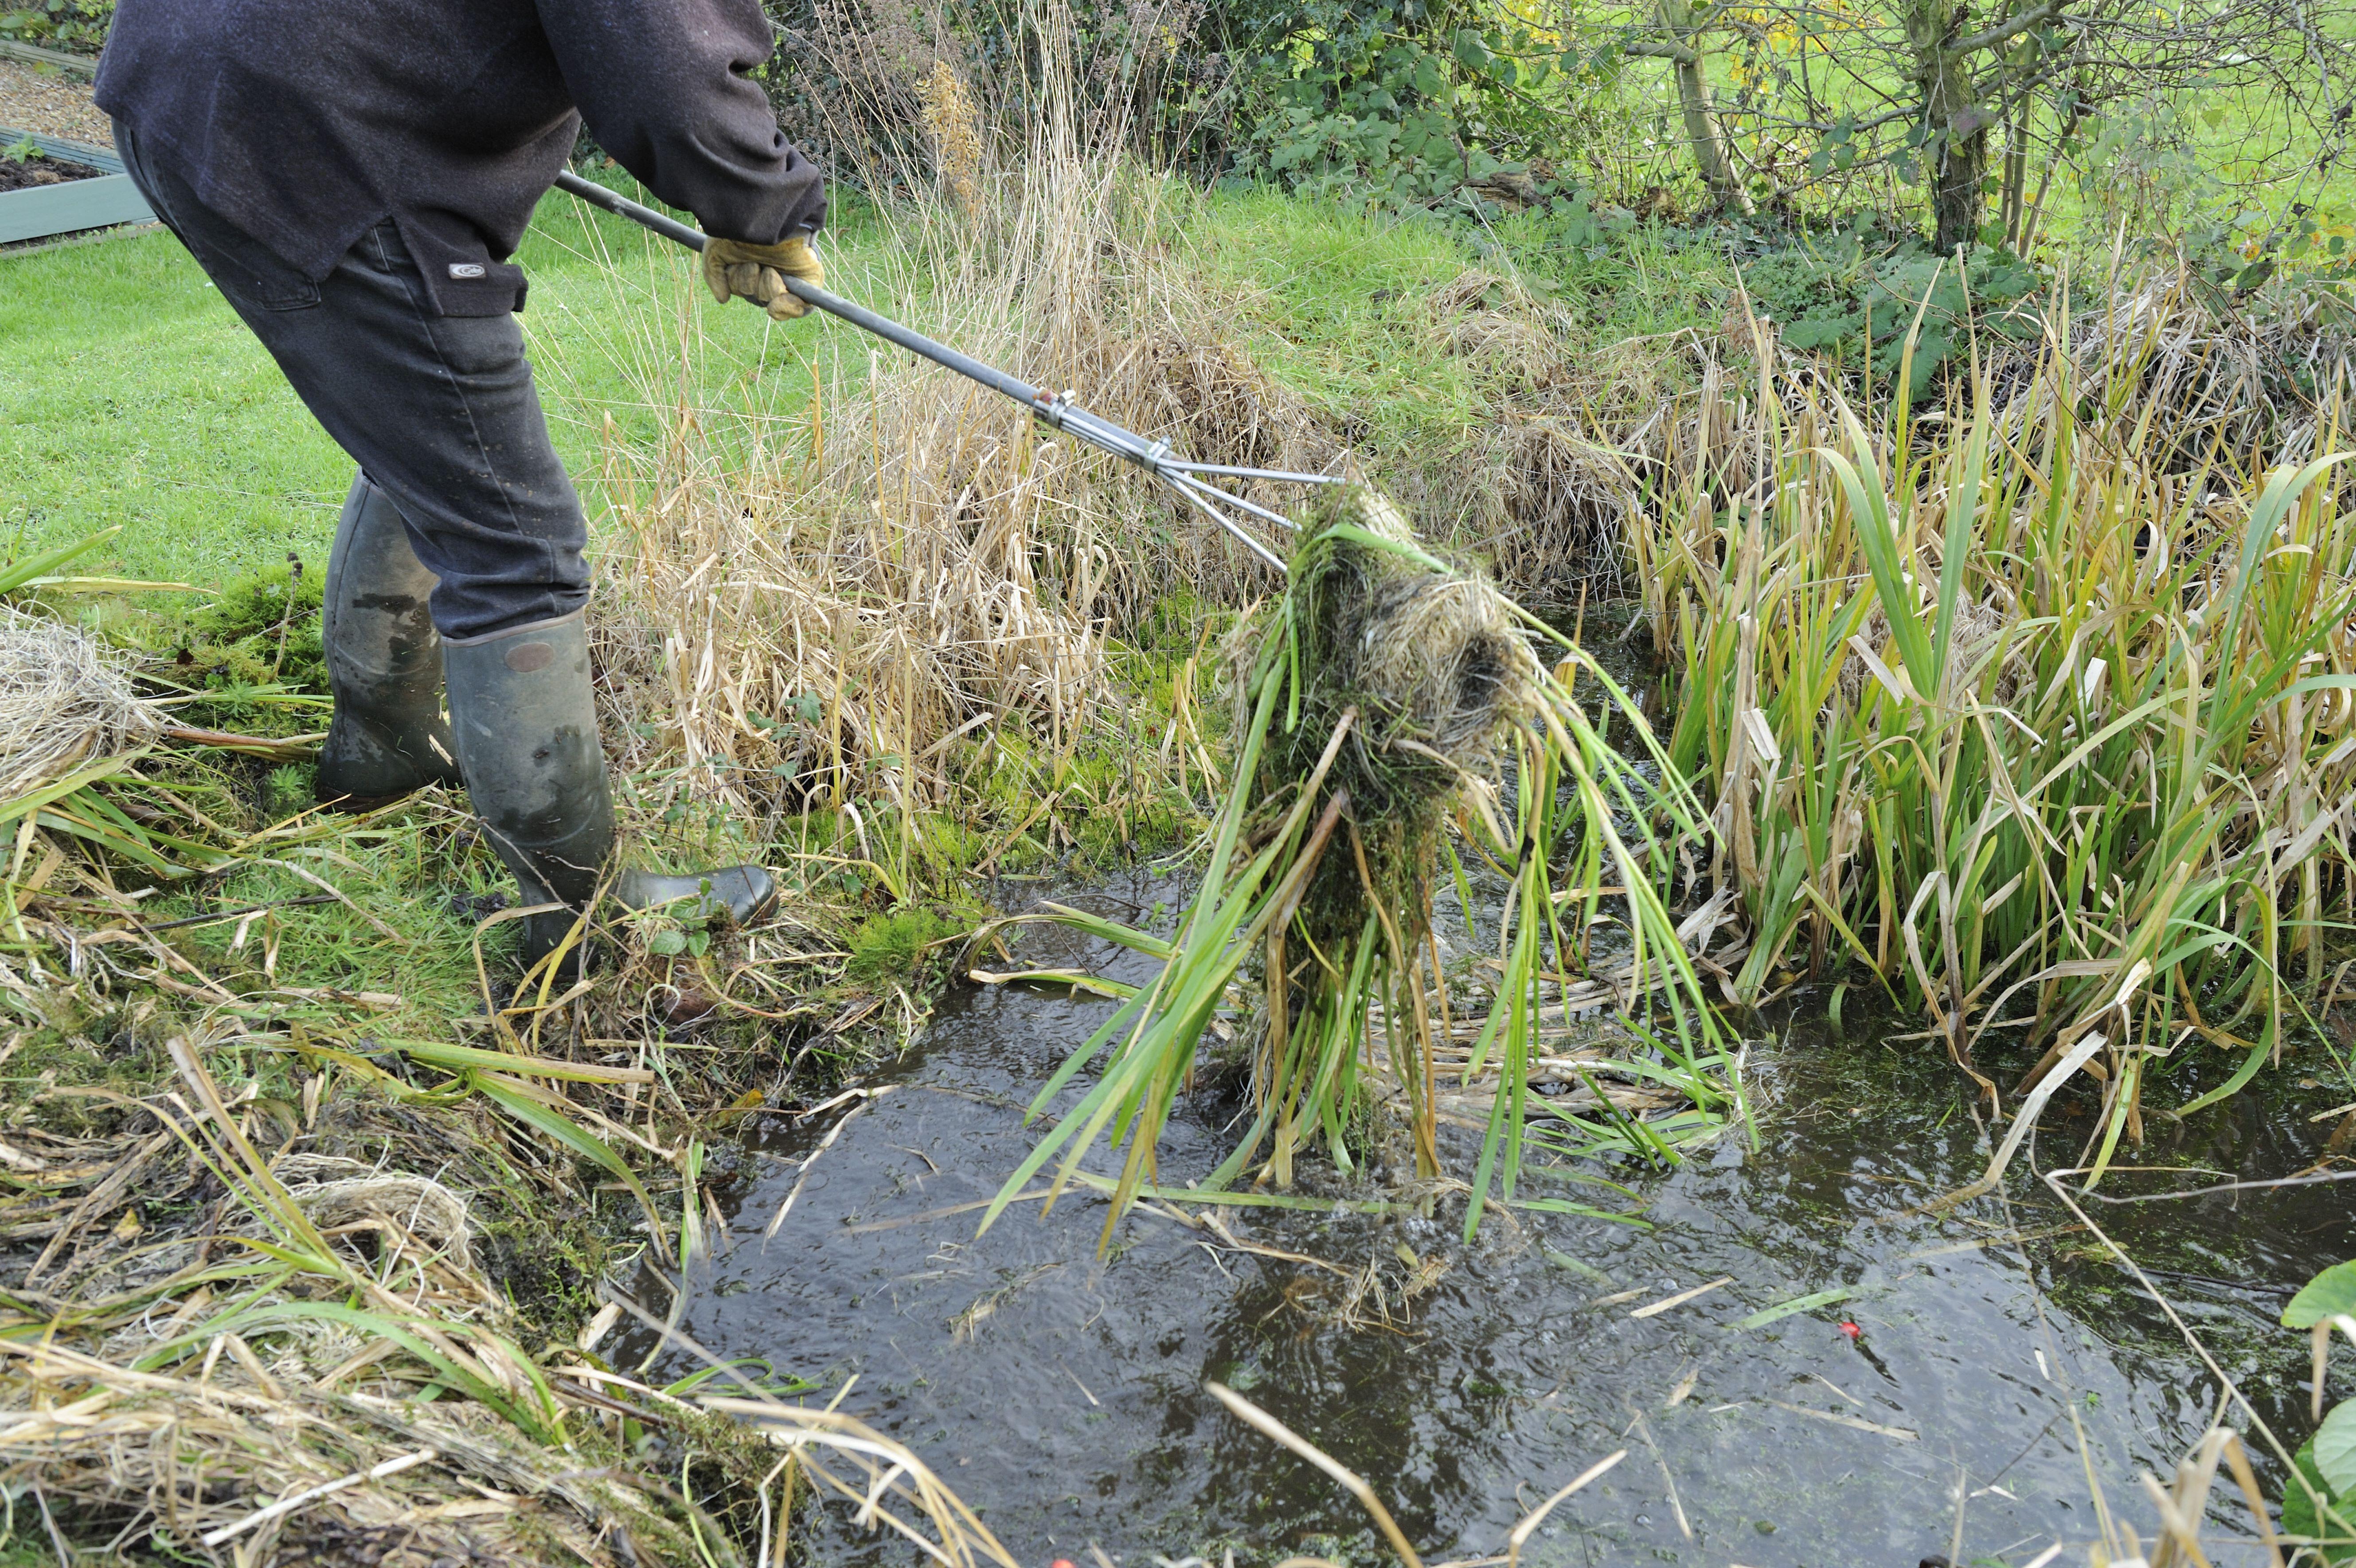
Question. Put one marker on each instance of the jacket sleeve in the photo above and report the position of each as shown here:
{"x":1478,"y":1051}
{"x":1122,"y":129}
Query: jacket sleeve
{"x":660,"y":84}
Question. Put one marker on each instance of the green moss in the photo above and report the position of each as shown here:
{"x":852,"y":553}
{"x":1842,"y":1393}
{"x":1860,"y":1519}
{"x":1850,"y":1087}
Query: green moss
{"x":263,"y":628}
{"x":548,"y":1262}
{"x":887,"y":948}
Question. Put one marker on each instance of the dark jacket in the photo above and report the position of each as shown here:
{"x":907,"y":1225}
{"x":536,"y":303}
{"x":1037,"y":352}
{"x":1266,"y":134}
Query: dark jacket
{"x":305,"y":122}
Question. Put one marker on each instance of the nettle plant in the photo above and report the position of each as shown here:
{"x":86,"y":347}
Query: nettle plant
{"x":1902,"y":308}
{"x":67,"y":23}
{"x":2319,"y":1500}
{"x":1405,"y":100}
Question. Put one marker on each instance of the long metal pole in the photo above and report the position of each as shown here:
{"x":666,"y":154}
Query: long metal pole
{"x":859,"y":316}
{"x":1154,"y":456}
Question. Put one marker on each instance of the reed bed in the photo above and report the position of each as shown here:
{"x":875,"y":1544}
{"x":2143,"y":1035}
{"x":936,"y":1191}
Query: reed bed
{"x":2040,"y":726}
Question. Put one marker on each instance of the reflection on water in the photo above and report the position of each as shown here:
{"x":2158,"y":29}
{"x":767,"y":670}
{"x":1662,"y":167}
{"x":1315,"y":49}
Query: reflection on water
{"x":1060,"y":1393}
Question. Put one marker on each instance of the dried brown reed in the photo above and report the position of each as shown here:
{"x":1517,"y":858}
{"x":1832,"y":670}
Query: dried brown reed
{"x":246,"y":1378}
{"x":2195,"y":375}
{"x":1543,"y":500}
{"x":956,"y":128}
{"x":907,"y":561}
{"x":888,"y":81}
{"x":1517,"y":344}
{"x":65,"y":701}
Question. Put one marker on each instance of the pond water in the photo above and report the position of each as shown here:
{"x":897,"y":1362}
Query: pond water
{"x":2002,"y":1363}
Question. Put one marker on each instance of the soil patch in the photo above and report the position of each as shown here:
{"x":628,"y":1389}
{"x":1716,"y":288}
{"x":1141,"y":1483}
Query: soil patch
{"x":34,"y":172}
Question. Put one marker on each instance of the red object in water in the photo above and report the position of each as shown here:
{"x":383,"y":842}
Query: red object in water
{"x":1060,"y":1562}
{"x":1851,"y":1330}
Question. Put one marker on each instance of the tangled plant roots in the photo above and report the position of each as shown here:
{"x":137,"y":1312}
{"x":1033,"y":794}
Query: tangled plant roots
{"x":1429,"y":667}
{"x":1377,"y":693}
{"x":1403,"y":677}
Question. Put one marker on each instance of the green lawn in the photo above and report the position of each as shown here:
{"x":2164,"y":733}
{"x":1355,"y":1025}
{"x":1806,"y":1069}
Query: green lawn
{"x":131,"y":395}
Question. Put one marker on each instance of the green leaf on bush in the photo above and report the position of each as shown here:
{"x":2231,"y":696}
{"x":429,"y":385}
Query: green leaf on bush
{"x":2334,"y":1447}
{"x":1820,"y":331}
{"x":2300,"y":1516}
{"x":666,"y":943}
{"x":2328,"y":1295}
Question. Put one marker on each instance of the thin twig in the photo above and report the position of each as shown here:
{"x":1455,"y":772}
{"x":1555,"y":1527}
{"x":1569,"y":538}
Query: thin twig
{"x":249,"y":909}
{"x":1537,"y":1516}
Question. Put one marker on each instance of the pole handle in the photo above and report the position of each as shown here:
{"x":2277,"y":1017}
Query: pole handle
{"x":859,"y":316}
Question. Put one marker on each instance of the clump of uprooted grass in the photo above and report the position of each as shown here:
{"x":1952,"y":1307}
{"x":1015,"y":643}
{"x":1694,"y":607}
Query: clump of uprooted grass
{"x":65,"y":702}
{"x":1375,"y":699}
{"x":2048,"y":731}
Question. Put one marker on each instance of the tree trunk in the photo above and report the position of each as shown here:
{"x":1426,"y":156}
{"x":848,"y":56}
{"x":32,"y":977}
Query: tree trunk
{"x":1955,"y":187}
{"x":1710,"y":153}
{"x":1957,"y":154}
{"x":2016,"y":175}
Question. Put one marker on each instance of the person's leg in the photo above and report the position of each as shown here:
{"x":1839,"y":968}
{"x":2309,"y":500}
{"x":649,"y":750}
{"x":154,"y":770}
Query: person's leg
{"x":441,"y":414}
{"x":384,"y":655}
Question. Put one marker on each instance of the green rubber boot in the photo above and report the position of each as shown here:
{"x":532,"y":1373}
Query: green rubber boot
{"x":527,"y":732}
{"x":384,"y":662}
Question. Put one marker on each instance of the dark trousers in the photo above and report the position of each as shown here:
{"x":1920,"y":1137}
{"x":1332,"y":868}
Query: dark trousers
{"x":438,"y":411}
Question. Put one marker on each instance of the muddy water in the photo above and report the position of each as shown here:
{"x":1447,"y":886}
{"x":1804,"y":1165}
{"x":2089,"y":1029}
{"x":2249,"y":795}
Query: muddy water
{"x":1997,"y":1353}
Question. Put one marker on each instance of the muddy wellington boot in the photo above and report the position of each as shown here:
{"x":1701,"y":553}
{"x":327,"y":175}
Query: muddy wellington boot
{"x":384,"y":662}
{"x":527,"y":732}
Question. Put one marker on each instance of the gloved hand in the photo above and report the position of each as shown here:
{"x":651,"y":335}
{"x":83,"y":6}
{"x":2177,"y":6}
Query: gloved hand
{"x":752,"y":271}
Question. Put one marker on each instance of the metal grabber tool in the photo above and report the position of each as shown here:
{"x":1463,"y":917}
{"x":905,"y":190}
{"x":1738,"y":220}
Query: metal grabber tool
{"x":1191,"y":480}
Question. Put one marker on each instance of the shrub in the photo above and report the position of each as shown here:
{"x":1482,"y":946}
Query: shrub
{"x":76,"y":26}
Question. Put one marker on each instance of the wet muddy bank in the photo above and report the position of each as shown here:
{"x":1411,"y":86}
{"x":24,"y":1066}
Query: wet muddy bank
{"x":1998,"y":1346}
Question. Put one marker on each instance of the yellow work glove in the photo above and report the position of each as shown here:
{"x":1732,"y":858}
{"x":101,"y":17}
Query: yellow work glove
{"x":734,"y":268}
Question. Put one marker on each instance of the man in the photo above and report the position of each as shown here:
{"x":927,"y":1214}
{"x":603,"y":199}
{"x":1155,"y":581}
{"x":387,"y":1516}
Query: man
{"x":354,"y":175}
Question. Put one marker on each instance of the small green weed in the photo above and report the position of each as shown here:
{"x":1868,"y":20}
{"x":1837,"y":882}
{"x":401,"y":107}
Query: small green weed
{"x":261,"y":635}
{"x":289,"y":789}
